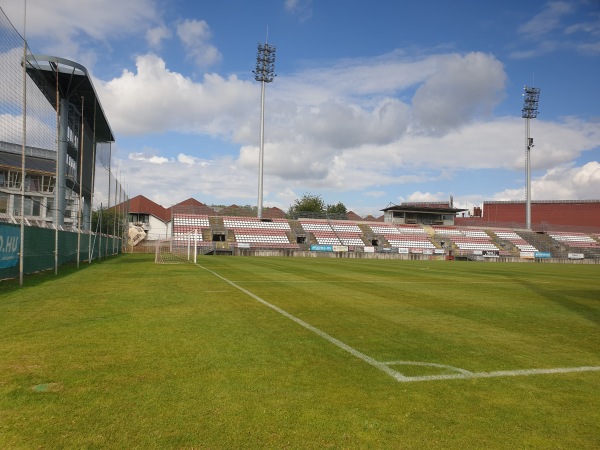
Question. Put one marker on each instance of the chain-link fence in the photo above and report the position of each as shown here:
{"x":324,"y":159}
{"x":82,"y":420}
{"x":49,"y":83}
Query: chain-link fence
{"x":59,"y":199}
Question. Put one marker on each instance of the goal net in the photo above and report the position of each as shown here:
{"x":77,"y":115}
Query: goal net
{"x":177,"y":249}
{"x":189,"y":223}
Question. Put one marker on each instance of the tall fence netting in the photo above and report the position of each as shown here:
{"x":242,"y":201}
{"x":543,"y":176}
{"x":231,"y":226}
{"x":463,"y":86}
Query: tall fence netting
{"x":60,"y":200}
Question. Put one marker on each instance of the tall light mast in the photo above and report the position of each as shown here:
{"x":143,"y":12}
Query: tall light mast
{"x":529,"y":111}
{"x":265,"y":73}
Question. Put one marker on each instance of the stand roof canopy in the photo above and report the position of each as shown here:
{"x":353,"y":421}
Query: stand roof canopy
{"x":74,"y":83}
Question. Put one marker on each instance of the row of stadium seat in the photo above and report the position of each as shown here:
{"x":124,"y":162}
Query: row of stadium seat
{"x":334,"y":233}
{"x":277,"y":245}
{"x":404,"y":236}
{"x":467,"y":239}
{"x":577,"y":240}
{"x":410,"y":243}
{"x":255,"y":224}
{"x":348,"y":228}
{"x":396,"y":230}
{"x":191,"y":220}
{"x":516,"y":240}
{"x":261,"y":238}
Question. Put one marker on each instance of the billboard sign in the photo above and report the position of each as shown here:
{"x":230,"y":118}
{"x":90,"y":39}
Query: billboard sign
{"x":10,"y":240}
{"x":340,"y":248}
{"x":321,"y":248}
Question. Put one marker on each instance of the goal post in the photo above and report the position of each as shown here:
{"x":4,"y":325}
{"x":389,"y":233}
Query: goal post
{"x":189,"y":223}
{"x":177,"y":249}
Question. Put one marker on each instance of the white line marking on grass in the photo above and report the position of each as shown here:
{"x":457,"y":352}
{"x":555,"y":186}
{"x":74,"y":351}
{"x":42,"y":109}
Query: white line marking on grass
{"x":379,"y":365}
{"x":384,"y":366}
{"x":503,"y":373}
{"x":324,"y":280}
{"x":426,"y":364}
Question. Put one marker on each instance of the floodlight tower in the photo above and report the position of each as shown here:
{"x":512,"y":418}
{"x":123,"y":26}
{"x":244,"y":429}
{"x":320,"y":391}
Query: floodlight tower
{"x":529,"y":111}
{"x":265,"y":73}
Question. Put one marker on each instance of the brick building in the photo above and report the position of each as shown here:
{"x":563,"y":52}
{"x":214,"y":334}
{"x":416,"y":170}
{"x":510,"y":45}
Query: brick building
{"x":544,"y":213}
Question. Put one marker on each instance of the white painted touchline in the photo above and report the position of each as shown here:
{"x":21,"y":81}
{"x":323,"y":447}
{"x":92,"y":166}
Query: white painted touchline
{"x":503,"y":373}
{"x":384,"y":366}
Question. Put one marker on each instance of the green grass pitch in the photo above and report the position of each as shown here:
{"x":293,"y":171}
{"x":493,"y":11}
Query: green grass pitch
{"x":246,"y":352}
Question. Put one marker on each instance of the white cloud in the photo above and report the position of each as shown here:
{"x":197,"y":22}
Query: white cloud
{"x":427,"y":197}
{"x":195,"y":36}
{"x":150,"y":159}
{"x":187,"y":159}
{"x":174,"y":180}
{"x":302,"y":8}
{"x":11,"y":88}
{"x":549,"y":19}
{"x":359,"y":79}
{"x":64,"y":25}
{"x":340,"y":125}
{"x":156,"y":35}
{"x":566,"y":182}
{"x":161,"y":100}
{"x":463,"y":87}
{"x":551,"y":30}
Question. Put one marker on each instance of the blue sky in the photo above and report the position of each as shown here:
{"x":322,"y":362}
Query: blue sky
{"x":374,"y":102}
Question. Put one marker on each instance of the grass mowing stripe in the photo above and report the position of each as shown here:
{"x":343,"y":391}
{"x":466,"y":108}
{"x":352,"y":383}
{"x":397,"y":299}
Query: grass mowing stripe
{"x":384,"y":368}
{"x":180,"y":359}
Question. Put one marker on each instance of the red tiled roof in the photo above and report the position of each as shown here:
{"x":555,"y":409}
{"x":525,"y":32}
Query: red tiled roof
{"x":351,"y":215}
{"x":273,"y":213}
{"x":143,"y":205}
{"x":193,"y":206}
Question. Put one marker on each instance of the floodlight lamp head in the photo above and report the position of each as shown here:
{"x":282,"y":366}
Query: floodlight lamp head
{"x":530,"y":102}
{"x":265,"y":63}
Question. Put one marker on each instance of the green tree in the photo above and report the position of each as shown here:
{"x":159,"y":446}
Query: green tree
{"x":108,"y":221}
{"x":314,"y":206}
{"x":339,"y":209}
{"x":309,"y":203}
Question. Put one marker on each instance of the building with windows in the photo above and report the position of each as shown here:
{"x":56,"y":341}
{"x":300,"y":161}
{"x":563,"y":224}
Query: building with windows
{"x":47,"y":176}
{"x":152,"y":217}
{"x":40,"y":181}
{"x":426,"y":213}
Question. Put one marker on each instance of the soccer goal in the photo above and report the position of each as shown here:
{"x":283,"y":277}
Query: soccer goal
{"x":177,"y":249}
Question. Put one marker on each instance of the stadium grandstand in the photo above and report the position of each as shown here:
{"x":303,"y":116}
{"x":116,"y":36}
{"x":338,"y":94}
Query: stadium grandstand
{"x":434,"y":230}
